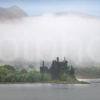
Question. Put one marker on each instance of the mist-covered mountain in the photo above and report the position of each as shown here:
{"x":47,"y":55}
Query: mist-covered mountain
{"x":11,"y":13}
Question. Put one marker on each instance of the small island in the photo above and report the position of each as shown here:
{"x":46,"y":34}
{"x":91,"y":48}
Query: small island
{"x":59,"y":72}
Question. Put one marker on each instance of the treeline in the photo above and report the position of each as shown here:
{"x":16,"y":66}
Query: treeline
{"x":9,"y":73}
{"x":88,"y":72}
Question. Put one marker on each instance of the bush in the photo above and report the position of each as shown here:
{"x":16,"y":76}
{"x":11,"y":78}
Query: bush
{"x":45,"y":77}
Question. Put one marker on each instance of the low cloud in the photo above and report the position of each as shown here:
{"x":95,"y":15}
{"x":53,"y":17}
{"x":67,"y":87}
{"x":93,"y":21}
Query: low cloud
{"x":45,"y":37}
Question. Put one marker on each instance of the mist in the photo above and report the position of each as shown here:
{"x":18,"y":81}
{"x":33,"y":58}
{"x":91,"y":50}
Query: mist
{"x":74,"y":36}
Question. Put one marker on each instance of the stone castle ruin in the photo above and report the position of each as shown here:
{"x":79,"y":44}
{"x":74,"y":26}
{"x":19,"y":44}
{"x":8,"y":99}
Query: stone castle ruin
{"x":58,"y":69}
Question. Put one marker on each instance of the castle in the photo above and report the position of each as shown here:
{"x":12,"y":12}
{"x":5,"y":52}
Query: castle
{"x":57,"y":68}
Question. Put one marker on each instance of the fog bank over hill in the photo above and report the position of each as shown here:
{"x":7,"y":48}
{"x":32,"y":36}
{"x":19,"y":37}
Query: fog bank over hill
{"x":45,"y":37}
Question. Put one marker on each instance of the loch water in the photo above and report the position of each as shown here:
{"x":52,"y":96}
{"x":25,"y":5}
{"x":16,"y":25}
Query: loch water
{"x":38,"y":91}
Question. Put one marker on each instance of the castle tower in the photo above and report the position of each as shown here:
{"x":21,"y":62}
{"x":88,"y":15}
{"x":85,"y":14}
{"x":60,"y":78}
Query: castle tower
{"x":64,"y":59}
{"x":42,"y":63}
{"x":57,"y":59}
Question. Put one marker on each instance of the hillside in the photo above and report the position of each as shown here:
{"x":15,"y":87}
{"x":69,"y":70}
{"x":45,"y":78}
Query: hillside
{"x":88,"y":72}
{"x":11,"y":13}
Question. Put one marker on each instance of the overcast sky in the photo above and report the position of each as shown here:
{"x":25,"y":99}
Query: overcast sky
{"x":38,"y":7}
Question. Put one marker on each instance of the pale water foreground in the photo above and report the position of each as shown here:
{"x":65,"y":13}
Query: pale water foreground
{"x":51,"y":91}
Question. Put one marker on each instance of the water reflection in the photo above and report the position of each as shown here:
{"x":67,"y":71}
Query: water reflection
{"x":43,"y":85}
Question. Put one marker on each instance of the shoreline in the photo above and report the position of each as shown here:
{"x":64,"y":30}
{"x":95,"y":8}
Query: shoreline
{"x":50,"y":82}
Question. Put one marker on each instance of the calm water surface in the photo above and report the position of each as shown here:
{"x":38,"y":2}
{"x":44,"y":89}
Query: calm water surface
{"x":51,"y":91}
